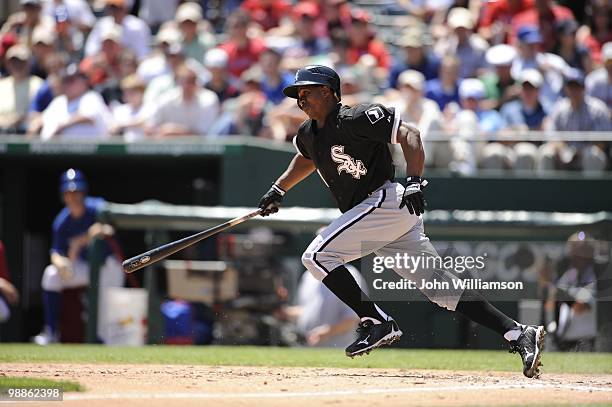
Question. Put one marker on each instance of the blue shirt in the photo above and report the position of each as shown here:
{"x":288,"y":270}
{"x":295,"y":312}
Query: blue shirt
{"x":514,"y":114}
{"x":489,"y":120}
{"x":42,"y":98}
{"x":429,"y":68}
{"x":434,"y":91}
{"x":65,"y":227}
{"x":275,"y":93}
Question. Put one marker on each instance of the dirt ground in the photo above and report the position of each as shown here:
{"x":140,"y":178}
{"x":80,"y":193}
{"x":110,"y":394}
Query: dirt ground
{"x":185,"y":385}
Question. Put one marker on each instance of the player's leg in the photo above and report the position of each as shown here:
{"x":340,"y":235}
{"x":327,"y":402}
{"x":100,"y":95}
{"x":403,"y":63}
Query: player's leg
{"x":52,"y":287}
{"x":527,"y":340}
{"x":348,"y":238}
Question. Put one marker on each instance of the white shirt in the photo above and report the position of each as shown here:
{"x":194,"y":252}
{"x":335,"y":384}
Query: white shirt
{"x":198,"y":115}
{"x":136,"y":35}
{"x":61,"y":110}
{"x":78,"y":11}
{"x":125,"y":114}
{"x":157,"y":11}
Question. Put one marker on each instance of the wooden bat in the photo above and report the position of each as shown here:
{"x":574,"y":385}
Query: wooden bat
{"x":161,"y":252}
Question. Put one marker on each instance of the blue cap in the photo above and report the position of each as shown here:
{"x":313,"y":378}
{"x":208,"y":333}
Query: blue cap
{"x":73,"y":180}
{"x":529,"y":34}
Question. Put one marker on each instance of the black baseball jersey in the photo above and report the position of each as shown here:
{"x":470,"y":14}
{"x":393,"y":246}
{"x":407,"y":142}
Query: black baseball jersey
{"x":351,"y":150}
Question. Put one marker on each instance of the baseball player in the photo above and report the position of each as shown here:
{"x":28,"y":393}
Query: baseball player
{"x":73,"y":229}
{"x":348,"y":147}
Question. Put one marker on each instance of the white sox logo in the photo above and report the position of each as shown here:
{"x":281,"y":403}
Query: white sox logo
{"x":347,"y":163}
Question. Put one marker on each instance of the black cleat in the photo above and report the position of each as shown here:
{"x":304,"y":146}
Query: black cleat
{"x":530,"y":346}
{"x":371,"y":336}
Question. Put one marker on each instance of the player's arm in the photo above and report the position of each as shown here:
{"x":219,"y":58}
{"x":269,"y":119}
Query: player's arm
{"x":299,"y":168}
{"x":409,"y":138}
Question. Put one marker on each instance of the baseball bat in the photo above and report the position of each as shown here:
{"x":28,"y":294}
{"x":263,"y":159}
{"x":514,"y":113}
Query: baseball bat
{"x":161,"y":252}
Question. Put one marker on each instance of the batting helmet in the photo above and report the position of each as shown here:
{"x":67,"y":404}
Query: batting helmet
{"x":73,"y":180}
{"x":314,"y":75}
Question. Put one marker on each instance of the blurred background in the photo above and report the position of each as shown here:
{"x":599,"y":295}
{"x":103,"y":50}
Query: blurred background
{"x":173,"y":113}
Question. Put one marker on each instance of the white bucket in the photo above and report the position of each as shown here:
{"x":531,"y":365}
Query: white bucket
{"x":122,"y":316}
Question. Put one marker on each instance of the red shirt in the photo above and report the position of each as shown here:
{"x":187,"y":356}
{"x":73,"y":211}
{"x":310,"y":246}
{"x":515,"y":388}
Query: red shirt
{"x":375,"y":48}
{"x":594,"y":46}
{"x":4,"y":273}
{"x":268,"y":17}
{"x":501,"y":11}
{"x":546,"y":23}
{"x":241,"y":59}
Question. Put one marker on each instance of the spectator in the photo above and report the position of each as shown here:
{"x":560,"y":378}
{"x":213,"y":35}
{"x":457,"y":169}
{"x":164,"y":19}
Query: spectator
{"x":195,"y":31}
{"x":424,"y":113}
{"x":73,"y":22}
{"x":136,"y":35}
{"x":175,"y":57}
{"x":462,"y":42}
{"x":599,"y":82}
{"x":363,"y":41}
{"x":157,"y":62}
{"x":6,"y":41}
{"x":78,"y":113}
{"x":8,"y":293}
{"x":308,"y":44}
{"x":495,"y":24}
{"x":415,"y":56}
{"x":105,"y":68}
{"x":545,"y":15}
{"x":599,"y":29}
{"x":267,"y":13}
{"x":43,"y":46}
{"x":576,"y":113}
{"x":22,"y":23}
{"x":274,"y":80}
{"x":471,"y":95}
{"x":129,"y":119}
{"x":573,"y":297}
{"x":73,"y":230}
{"x":251,"y":106}
{"x":552,"y":66}
{"x":499,"y":84}
{"x":51,"y":87}
{"x":157,"y":12}
{"x":17,"y":90}
{"x":242,"y":50}
{"x":186,"y":110}
{"x":337,"y":16}
{"x":216,"y":61}
{"x":445,"y":89}
{"x":575,"y":55}
{"x":526,"y":113}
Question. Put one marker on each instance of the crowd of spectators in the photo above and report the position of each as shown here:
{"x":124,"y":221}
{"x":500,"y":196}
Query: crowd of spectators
{"x":141,"y":69}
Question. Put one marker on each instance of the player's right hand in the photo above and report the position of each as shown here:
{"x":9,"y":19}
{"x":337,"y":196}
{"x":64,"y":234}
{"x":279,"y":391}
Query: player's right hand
{"x":271,"y":201}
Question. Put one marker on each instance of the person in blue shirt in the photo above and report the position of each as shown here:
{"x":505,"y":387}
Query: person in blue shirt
{"x":416,"y":57}
{"x":526,"y":113}
{"x":445,"y":89}
{"x":73,"y":230}
{"x":274,"y":79}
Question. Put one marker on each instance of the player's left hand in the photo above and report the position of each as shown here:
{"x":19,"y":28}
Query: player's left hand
{"x":413,"y":196}
{"x":271,"y":201}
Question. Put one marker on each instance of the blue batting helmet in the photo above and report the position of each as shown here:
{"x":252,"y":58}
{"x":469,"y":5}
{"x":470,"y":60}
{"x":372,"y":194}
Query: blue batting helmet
{"x":73,"y":180}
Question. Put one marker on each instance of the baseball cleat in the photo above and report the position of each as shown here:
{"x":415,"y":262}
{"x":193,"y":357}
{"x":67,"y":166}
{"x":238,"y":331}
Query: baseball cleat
{"x":371,"y":336}
{"x":530,"y":345}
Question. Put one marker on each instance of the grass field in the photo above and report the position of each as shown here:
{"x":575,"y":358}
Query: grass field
{"x":301,"y":357}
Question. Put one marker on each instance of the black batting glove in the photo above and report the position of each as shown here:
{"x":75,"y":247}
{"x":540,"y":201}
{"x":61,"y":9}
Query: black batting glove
{"x":271,"y":201}
{"x":413,"y":196}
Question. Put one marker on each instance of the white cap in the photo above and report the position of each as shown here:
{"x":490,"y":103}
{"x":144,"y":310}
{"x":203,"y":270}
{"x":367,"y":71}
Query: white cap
{"x":216,"y":58}
{"x":460,"y":17}
{"x":500,"y":55}
{"x":111,"y":32}
{"x":168,"y":35}
{"x":42,"y":34}
{"x":188,"y":12}
{"x":531,"y":76}
{"x":412,"y":78}
{"x":471,"y":88}
{"x":606,"y":51}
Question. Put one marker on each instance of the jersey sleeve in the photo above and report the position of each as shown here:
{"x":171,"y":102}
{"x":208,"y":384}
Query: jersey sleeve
{"x":300,"y":141}
{"x":375,"y":122}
